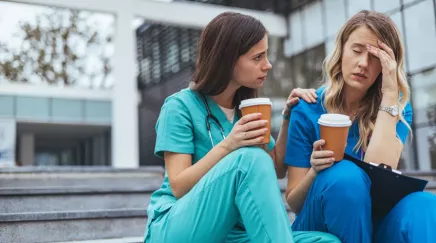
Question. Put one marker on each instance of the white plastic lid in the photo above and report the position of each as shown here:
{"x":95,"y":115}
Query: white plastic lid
{"x":255,"y":101}
{"x":334,"y":120}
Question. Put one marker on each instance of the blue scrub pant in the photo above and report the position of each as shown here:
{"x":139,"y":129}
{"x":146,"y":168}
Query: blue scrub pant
{"x":339,"y":203}
{"x":238,"y":200}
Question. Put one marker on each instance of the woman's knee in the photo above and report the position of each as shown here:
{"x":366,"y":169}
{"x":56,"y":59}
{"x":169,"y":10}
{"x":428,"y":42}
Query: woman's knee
{"x":252,"y":159}
{"x":347,"y":180}
{"x":314,"y":236}
{"x":414,"y":204}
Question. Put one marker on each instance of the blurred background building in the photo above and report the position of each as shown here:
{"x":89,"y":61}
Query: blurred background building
{"x":83,"y":83}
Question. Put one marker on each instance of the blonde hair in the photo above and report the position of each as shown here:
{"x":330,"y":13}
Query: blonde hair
{"x":386,"y":30}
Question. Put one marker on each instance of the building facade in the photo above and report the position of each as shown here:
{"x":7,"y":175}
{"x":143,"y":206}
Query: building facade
{"x":102,"y":109}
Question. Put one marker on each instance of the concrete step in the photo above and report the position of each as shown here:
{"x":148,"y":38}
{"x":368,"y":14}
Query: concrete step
{"x":99,"y":177}
{"x":56,"y":199}
{"x":117,"y":240}
{"x":72,"y":225}
{"x":76,"y":204}
{"x":425,"y":175}
{"x":78,"y":169}
{"x":431,"y":187}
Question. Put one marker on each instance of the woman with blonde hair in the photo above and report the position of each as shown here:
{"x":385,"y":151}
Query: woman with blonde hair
{"x":365,"y":79}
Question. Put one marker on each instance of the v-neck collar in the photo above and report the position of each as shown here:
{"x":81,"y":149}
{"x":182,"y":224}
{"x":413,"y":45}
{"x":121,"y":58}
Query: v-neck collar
{"x":219,"y":113}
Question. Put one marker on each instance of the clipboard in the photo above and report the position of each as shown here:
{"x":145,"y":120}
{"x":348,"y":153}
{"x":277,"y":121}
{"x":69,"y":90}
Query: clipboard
{"x":388,"y":186}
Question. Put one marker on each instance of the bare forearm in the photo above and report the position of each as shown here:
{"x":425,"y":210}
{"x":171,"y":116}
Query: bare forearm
{"x":280,"y":149}
{"x":190,"y":176}
{"x":297,"y":196}
{"x":384,"y":146}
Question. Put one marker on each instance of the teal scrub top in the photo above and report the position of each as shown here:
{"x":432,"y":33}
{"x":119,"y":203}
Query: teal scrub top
{"x":181,"y":128}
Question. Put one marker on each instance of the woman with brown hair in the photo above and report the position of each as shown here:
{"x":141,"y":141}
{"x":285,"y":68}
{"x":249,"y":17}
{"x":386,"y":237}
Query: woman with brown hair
{"x":364,"y":79}
{"x":220,"y":185}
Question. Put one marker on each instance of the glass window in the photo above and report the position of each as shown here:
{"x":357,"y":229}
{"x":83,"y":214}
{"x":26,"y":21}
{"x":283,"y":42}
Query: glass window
{"x":355,"y":6}
{"x":386,"y":5}
{"x":398,"y":20}
{"x":307,"y":67}
{"x":298,"y":71}
{"x":279,"y":78}
{"x":55,"y":46}
{"x":287,"y":47}
{"x":423,"y":95}
{"x":432,"y":146}
{"x":425,"y":145}
{"x":335,"y":16}
{"x":408,"y":1}
{"x":424,"y":107}
{"x":296,"y":32}
{"x":314,"y":60}
{"x":420,"y":35}
{"x":164,"y":51}
{"x":313,"y":27}
{"x":329,"y":45}
{"x":407,"y":160}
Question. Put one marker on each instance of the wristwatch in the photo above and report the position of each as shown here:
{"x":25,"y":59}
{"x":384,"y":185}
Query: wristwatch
{"x":393,"y":110}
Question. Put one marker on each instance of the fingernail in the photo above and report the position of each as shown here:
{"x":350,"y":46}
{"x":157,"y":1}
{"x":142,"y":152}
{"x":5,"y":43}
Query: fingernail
{"x":368,"y":46}
{"x":379,"y":41}
{"x":332,"y":159}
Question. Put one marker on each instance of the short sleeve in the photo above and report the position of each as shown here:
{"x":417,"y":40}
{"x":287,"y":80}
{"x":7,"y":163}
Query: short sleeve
{"x":301,"y":135}
{"x":271,"y":144}
{"x":174,"y":129}
{"x":402,"y":129}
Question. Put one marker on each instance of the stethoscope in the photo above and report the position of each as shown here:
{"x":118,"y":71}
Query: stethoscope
{"x":210,"y":117}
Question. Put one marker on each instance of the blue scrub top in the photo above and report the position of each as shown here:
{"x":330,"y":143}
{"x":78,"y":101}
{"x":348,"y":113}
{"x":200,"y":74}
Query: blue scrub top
{"x":181,"y":128}
{"x":304,"y":131}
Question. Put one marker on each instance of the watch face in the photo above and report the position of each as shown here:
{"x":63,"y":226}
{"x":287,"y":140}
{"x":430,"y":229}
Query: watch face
{"x":395,"y":110}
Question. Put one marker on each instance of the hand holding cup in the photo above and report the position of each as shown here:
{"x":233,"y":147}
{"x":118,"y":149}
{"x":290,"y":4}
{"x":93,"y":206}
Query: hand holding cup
{"x":262,"y":106}
{"x":321,"y":159}
{"x":248,"y":131}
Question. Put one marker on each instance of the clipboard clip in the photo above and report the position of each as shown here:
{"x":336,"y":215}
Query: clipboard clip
{"x":384,"y":166}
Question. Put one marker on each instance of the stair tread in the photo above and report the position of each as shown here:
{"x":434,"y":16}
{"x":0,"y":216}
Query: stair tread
{"x":79,"y":169}
{"x":415,"y":173}
{"x":73,"y":215}
{"x":67,"y":190}
{"x":117,"y":240}
{"x":431,"y":185}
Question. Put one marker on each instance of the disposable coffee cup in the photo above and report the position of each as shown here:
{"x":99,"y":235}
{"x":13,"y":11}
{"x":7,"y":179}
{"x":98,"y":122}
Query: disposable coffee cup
{"x":334,"y":131}
{"x":258,"y":105}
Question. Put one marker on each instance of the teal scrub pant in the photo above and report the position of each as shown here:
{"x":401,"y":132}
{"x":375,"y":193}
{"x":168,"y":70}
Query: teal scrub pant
{"x":238,"y":200}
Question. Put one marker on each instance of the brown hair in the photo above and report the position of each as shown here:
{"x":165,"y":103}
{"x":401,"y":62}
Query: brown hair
{"x":386,"y":30}
{"x":227,"y":37}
